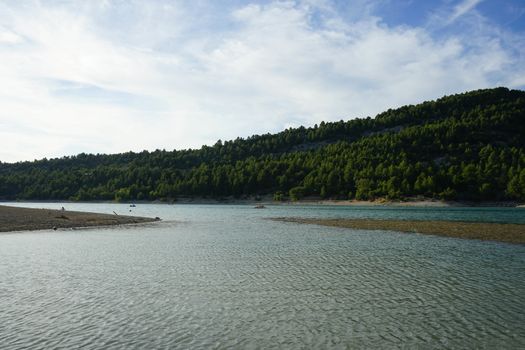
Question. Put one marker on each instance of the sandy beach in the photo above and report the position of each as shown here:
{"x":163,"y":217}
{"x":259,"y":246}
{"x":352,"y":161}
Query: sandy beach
{"x":25,"y":219}
{"x":509,"y":233}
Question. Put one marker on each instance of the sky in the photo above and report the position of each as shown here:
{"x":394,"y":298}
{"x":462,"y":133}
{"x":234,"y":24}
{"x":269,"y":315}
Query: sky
{"x":113,"y":76}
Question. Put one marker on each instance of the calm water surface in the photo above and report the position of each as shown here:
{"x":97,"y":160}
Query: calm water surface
{"x":226,"y":277}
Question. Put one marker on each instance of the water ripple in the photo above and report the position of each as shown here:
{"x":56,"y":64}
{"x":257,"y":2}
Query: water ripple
{"x":226,"y":279}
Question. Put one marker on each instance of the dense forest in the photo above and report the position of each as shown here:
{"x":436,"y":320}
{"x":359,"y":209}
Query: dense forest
{"x":469,"y":146}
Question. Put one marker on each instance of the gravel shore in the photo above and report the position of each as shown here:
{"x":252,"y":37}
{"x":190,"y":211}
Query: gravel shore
{"x":26,"y":219}
{"x":510,"y":233}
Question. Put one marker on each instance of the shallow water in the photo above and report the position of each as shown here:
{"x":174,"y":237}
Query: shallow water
{"x":225,"y":276}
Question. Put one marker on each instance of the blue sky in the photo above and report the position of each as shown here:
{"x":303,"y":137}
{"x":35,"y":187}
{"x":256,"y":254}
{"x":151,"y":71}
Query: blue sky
{"x":112,"y":76}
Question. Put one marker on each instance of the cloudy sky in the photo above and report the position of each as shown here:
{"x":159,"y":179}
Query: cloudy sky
{"x":113,"y":75}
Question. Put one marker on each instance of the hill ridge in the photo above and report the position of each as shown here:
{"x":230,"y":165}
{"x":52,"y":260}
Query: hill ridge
{"x":468,"y":146}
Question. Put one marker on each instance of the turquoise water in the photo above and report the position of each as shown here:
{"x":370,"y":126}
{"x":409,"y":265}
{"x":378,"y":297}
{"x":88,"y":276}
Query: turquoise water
{"x":226,"y":277}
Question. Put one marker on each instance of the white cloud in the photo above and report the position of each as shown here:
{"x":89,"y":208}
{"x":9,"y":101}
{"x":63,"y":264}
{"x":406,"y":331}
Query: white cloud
{"x":8,"y":37}
{"x":111,"y":77}
{"x":462,"y":8}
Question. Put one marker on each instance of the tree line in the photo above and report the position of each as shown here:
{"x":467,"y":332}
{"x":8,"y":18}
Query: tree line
{"x":468,"y":146}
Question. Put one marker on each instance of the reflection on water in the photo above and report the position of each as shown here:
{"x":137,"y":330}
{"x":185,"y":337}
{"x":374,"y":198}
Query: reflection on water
{"x":223,"y":276}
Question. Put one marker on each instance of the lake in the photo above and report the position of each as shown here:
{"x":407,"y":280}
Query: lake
{"x":224,"y":276}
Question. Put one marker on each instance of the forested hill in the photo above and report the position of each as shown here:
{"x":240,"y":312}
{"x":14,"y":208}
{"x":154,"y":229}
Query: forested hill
{"x":469,"y":146}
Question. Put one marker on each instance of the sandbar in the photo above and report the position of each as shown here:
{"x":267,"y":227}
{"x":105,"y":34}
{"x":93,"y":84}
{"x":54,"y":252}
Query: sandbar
{"x":28,"y":219}
{"x":501,"y":232}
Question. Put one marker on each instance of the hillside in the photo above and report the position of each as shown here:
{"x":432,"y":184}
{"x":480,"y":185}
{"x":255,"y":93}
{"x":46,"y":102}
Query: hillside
{"x":469,"y":146}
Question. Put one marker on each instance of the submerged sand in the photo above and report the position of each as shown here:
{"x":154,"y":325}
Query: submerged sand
{"x":510,"y":233}
{"x":25,"y":219}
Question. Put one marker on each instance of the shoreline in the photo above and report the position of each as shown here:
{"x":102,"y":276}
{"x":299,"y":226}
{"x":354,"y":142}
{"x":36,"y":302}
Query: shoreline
{"x":507,"y":233}
{"x":267,"y":200}
{"x":17,"y":219}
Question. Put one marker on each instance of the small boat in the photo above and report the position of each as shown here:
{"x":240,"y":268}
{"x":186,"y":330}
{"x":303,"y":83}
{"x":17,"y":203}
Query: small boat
{"x":259,"y":206}
{"x":132,"y":205}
